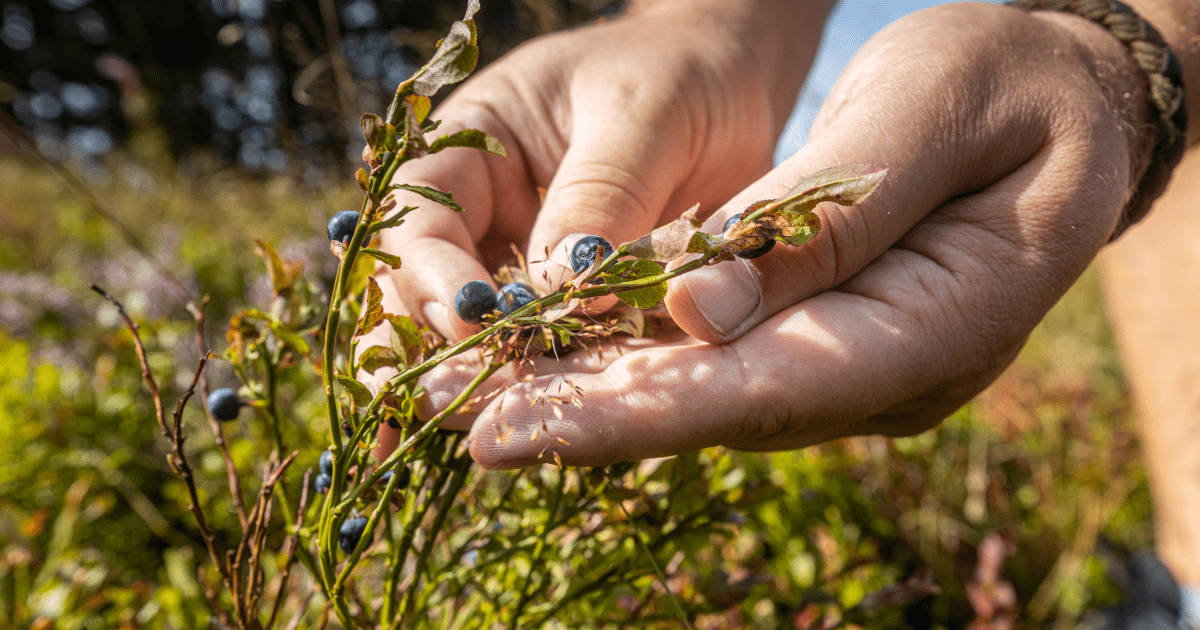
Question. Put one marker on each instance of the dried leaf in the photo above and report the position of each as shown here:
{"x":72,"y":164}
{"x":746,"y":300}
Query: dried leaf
{"x":668,"y":242}
{"x":559,"y":311}
{"x":240,"y":334}
{"x":471,"y":138}
{"x":373,"y":312}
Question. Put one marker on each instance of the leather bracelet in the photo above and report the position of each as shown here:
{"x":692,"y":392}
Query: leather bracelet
{"x":1164,"y":77}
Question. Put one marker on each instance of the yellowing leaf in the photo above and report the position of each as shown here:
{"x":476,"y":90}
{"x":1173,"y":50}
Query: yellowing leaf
{"x":373,"y":313}
{"x":420,"y":106}
{"x":282,"y":274}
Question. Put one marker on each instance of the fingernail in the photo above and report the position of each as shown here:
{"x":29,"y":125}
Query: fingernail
{"x":438,"y":317}
{"x":726,"y":295}
{"x":556,"y":269}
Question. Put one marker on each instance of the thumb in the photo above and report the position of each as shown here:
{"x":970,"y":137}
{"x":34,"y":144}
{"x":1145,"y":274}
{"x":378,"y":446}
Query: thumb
{"x":614,"y":181}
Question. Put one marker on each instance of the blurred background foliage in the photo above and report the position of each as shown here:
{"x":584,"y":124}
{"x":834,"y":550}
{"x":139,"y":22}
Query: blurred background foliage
{"x":1013,"y":508}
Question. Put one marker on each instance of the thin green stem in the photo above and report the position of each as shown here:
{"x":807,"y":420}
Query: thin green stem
{"x":662,"y":578}
{"x":412,"y":516}
{"x":426,"y":429}
{"x":524,"y":594}
{"x":457,"y":480}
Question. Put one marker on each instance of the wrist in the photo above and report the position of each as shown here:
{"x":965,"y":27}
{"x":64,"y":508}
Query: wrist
{"x":1162,"y":75}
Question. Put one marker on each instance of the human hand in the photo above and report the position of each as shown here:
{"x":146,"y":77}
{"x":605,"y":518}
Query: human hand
{"x":624,"y":124}
{"x":1010,"y":146}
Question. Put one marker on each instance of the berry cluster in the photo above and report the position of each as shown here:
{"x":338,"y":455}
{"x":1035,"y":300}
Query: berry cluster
{"x":476,"y":299}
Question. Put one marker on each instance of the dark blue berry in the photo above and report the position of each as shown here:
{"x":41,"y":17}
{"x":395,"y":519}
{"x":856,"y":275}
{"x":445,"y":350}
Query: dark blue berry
{"x":351,"y":531}
{"x":474,"y":300}
{"x":323,"y":482}
{"x":402,"y":482}
{"x":341,"y":226}
{"x":754,"y":253}
{"x":513,"y":296}
{"x":327,"y":462}
{"x":584,"y":252}
{"x":224,"y":404}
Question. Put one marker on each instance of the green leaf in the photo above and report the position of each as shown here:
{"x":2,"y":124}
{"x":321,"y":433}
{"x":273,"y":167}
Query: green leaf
{"x":629,"y":270}
{"x":390,"y":260}
{"x":471,"y":138}
{"x":396,"y":219}
{"x":290,"y":337}
{"x":254,"y":313}
{"x":407,"y":342}
{"x":432,"y":194}
{"x":373,"y":313}
{"x":358,"y":391}
{"x":847,"y":185}
{"x":377,"y":357}
{"x":669,"y":241}
{"x":429,"y":125}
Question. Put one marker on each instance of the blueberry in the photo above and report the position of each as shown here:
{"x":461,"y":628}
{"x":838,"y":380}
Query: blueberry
{"x":341,"y":226}
{"x":754,"y":253}
{"x":327,"y":462}
{"x":584,"y":252}
{"x":351,"y":531}
{"x":323,"y":482}
{"x":474,"y":300}
{"x":402,"y":482}
{"x":513,"y":296}
{"x":224,"y":404}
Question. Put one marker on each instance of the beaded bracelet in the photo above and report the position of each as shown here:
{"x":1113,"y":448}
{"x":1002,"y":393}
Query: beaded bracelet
{"x":1164,"y":76}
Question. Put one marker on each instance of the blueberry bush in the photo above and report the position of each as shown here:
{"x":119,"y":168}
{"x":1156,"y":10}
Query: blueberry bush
{"x":264,"y":502}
